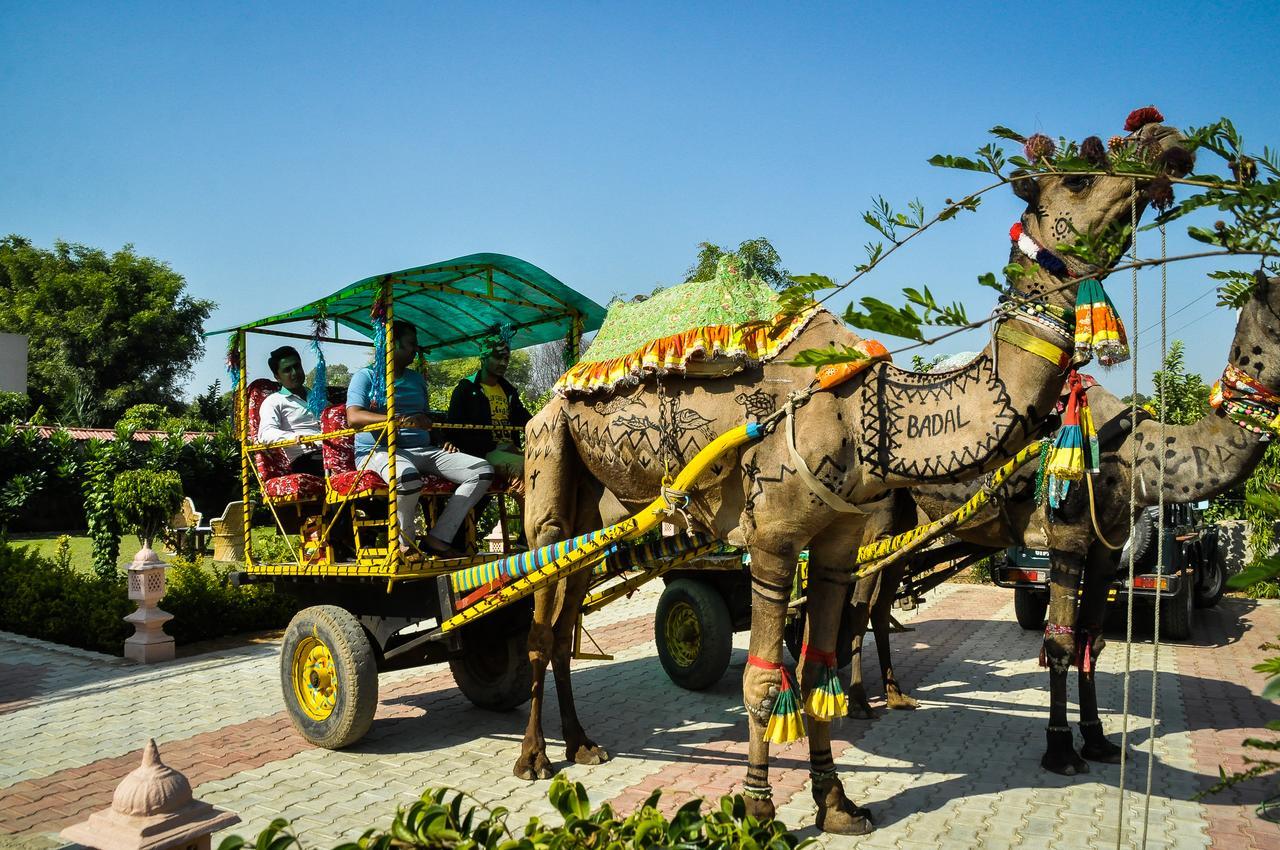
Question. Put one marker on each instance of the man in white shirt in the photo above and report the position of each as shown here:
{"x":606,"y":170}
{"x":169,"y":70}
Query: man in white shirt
{"x":284,"y":414}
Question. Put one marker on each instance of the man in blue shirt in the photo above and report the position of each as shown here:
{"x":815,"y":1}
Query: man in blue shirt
{"x":415,"y":454}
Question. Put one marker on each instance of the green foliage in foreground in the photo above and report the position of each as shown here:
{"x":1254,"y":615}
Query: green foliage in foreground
{"x":50,"y":600}
{"x":439,"y":820}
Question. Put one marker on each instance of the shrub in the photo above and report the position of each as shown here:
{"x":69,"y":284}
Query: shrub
{"x":148,"y":417}
{"x":50,"y":601}
{"x":14,"y":407}
{"x":431,"y":822}
{"x":145,"y":500}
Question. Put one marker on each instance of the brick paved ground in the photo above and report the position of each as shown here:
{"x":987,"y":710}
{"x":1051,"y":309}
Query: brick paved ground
{"x":960,"y":771}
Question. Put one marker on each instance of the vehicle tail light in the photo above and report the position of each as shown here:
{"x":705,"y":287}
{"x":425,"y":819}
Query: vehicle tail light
{"x":1150,"y":582}
{"x":1034,"y":576}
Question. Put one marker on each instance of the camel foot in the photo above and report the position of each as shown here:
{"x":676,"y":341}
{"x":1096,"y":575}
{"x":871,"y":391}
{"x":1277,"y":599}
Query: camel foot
{"x":859,"y":705}
{"x":1096,"y":747}
{"x":837,"y":814}
{"x":586,"y":753}
{"x":533,"y":766}
{"x":1060,"y":755}
{"x":898,"y":701}
{"x":760,"y":809}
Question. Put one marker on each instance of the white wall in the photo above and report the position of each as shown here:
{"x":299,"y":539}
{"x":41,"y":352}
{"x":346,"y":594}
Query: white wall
{"x":13,"y":363}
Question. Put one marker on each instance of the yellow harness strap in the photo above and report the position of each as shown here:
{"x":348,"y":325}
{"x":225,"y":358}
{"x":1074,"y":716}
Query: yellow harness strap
{"x":1039,"y":347}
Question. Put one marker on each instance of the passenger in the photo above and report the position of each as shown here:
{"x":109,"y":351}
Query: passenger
{"x":488,"y":398}
{"x":285,"y":415}
{"x":415,"y":454}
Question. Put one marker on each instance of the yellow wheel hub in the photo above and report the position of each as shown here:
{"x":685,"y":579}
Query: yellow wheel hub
{"x":684,"y":634}
{"x":315,"y":680}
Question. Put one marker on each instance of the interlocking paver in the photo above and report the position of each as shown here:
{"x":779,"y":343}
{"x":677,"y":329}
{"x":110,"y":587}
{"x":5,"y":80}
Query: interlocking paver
{"x":961,"y":768}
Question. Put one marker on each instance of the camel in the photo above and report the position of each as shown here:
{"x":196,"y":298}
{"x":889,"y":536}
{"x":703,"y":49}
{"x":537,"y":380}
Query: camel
{"x":864,"y":438}
{"x":1204,"y":459}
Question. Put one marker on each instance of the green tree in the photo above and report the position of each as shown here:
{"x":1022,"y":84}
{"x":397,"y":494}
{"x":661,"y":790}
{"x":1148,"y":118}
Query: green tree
{"x":1186,"y":395}
{"x":106,"y":331}
{"x":758,"y":257}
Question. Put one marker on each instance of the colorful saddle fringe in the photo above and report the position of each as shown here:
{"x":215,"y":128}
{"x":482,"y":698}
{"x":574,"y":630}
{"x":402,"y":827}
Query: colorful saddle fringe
{"x":1244,"y":398}
{"x":1099,"y":331}
{"x":786,"y":724}
{"x":1075,"y":447}
{"x":827,"y":700}
{"x":739,"y":346}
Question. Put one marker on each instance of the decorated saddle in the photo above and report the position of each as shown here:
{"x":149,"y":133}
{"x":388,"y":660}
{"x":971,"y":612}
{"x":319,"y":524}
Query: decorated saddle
{"x":707,"y":328}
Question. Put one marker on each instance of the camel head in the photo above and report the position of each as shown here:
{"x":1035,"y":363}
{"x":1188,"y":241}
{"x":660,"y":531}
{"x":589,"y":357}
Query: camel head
{"x":1060,"y":206}
{"x":1255,"y":349}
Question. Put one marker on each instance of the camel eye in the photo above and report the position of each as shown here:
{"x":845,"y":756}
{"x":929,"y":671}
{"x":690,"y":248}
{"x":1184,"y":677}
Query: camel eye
{"x":1078,"y":182}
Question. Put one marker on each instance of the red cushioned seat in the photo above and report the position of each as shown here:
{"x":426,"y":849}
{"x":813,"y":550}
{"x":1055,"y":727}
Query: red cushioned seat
{"x":339,"y":455}
{"x":279,"y":485}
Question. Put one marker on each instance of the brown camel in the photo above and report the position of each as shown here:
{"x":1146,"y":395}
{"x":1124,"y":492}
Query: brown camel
{"x":1204,"y":459}
{"x":884,"y":429}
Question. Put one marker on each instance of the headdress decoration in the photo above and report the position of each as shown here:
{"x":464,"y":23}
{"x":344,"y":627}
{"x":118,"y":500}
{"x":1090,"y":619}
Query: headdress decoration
{"x":1252,"y":405}
{"x":1074,"y":452}
{"x":786,"y":724}
{"x":1099,"y":329}
{"x":827,"y":700}
{"x":318,"y":397}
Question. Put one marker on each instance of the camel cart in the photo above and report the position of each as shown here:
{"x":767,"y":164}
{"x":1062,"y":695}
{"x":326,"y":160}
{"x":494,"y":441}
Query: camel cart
{"x":368,"y":607}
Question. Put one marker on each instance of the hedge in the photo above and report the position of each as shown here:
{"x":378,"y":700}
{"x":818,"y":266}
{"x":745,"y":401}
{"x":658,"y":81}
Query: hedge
{"x":51,"y":601}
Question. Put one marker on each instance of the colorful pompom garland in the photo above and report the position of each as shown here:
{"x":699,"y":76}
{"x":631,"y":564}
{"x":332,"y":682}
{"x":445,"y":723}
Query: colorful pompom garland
{"x":1245,"y":398}
{"x":827,"y":700}
{"x":1047,"y":260}
{"x":786,"y":723}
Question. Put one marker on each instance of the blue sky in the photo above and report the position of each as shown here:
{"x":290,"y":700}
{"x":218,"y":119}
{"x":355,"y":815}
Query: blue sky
{"x":272,"y":153}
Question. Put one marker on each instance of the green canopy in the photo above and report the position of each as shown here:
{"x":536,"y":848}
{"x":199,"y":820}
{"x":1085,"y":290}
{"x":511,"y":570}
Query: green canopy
{"x":454,"y":304}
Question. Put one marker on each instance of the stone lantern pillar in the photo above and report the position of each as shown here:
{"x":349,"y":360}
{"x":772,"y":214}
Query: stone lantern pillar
{"x":152,"y":809}
{"x":148,"y":643}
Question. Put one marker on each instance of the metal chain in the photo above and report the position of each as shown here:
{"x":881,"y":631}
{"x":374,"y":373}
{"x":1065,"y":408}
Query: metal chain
{"x":1133,"y":508}
{"x":1163,"y":448}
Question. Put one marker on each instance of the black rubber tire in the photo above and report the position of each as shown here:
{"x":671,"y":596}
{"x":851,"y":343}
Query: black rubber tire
{"x":355,"y":673}
{"x":1176,"y":613}
{"x":685,"y":604}
{"x":793,"y":636}
{"x":1139,"y":542}
{"x":1211,"y":578}
{"x":493,"y":672}
{"x":1030,"y":608}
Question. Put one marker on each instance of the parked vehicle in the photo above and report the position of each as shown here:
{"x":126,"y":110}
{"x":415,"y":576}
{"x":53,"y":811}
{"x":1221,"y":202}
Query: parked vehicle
{"x":1192,"y":576}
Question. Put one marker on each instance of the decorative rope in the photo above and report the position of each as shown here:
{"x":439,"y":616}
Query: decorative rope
{"x":1160,"y":550}
{"x":1133,"y":509}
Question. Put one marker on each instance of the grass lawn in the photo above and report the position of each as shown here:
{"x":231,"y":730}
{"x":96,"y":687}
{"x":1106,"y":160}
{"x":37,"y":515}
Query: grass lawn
{"x":81,"y":547}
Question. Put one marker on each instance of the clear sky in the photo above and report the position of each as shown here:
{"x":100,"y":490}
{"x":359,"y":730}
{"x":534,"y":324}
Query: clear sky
{"x":272,"y":153}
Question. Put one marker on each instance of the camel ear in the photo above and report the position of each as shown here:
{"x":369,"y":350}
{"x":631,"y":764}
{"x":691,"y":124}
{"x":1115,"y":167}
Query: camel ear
{"x":1025,"y":187}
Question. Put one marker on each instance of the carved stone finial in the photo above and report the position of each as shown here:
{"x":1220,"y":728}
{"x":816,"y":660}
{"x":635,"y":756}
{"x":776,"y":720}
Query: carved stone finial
{"x":152,"y":809}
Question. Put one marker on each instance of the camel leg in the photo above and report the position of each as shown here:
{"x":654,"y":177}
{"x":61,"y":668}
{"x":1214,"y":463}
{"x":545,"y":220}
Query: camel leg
{"x":856,"y":693}
{"x":1099,"y":572}
{"x":881,"y":606}
{"x":829,"y":578}
{"x":1058,"y":651}
{"x":533,"y":763}
{"x":579,"y":749}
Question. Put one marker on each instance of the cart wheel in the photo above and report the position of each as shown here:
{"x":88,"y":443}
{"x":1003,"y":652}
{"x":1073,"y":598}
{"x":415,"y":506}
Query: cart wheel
{"x":793,"y":635}
{"x":694,"y":633}
{"x":1176,"y":612}
{"x":1030,"y":607}
{"x":493,"y":671}
{"x":329,"y":675}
